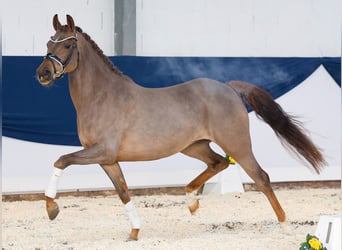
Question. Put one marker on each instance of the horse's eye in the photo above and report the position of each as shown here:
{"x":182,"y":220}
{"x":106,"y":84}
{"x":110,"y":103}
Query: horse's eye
{"x":67,"y":46}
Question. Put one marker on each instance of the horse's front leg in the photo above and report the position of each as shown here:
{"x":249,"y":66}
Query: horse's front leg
{"x":91,"y":155}
{"x":115,"y":174}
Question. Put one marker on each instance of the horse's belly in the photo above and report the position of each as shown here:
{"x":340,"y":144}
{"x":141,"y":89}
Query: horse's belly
{"x":153,"y":148}
{"x":147,"y":154}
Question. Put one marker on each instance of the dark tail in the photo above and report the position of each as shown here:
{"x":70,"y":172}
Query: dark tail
{"x":287,"y":128}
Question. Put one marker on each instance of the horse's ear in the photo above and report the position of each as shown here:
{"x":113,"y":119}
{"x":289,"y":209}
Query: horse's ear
{"x":70,"y":22}
{"x":56,"y":24}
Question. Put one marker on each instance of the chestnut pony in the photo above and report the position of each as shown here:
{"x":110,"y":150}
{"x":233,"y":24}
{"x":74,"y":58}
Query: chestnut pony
{"x":118,"y":120}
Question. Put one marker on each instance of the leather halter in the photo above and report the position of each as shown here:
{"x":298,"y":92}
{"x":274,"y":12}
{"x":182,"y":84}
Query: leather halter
{"x":54,"y":58}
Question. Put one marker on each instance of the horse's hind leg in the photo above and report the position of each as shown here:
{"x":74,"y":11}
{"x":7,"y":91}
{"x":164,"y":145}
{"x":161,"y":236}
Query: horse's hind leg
{"x":215,"y":162}
{"x":261,"y":179}
{"x":115,"y":174}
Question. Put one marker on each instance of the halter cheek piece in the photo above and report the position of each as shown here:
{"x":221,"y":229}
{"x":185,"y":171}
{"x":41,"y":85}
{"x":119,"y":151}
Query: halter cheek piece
{"x":58,"y":60}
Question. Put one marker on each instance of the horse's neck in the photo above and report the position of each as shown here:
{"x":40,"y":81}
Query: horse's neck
{"x":93,"y":78}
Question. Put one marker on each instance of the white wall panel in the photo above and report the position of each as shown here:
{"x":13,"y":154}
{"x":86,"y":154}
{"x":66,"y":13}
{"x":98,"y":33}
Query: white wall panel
{"x":27,"y":25}
{"x":276,"y":28}
{"x":186,"y":27}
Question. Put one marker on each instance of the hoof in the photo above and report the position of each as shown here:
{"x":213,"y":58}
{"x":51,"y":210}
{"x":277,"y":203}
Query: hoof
{"x":193,"y":207}
{"x":51,"y":208}
{"x":134,"y":235}
{"x":281,"y":217}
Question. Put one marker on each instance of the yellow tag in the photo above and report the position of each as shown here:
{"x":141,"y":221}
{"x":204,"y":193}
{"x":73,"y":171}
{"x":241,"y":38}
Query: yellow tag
{"x":230,"y":160}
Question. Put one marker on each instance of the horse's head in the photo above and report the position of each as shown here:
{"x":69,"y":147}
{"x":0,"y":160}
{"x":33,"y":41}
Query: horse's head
{"x":62,"y":54}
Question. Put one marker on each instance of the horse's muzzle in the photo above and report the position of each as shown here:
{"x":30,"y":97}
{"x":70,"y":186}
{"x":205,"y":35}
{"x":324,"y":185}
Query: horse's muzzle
{"x":45,"y":76}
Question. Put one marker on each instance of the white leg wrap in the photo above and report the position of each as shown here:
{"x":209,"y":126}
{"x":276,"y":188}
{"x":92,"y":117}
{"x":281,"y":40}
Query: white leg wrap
{"x":51,"y":190}
{"x":133,"y":215}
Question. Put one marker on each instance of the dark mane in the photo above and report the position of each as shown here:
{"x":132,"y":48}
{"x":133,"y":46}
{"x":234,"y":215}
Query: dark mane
{"x":99,"y":52}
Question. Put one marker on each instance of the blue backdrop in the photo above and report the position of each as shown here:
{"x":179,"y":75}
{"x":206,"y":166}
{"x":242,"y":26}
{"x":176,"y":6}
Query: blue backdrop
{"x":35,"y":113}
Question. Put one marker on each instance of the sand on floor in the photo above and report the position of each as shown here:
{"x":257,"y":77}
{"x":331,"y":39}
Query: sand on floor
{"x":229,"y":221}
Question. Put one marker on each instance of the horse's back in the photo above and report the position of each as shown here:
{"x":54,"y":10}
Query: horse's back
{"x":192,"y":98}
{"x":199,"y":89}
{"x":218,"y":97}
{"x":169,"y":119}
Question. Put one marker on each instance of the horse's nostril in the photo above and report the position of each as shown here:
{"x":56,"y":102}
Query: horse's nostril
{"x":46,"y":74}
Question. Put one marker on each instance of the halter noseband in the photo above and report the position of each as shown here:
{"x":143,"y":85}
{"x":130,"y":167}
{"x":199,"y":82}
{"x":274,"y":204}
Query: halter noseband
{"x":59,"y":61}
